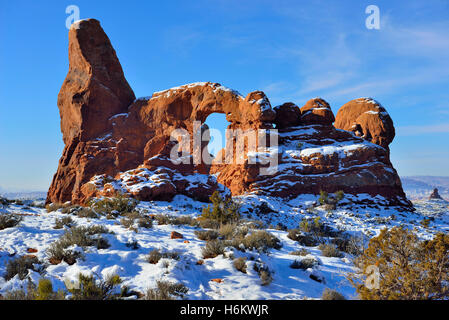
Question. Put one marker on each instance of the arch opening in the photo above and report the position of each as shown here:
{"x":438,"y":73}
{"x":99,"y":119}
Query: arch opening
{"x":217,"y":124}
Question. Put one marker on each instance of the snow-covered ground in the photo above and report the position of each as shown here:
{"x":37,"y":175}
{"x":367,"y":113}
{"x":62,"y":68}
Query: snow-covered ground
{"x":36,"y":231}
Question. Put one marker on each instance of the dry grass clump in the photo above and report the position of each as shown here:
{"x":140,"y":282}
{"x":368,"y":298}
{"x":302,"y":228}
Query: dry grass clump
{"x":9,"y":220}
{"x":155,"y":255}
{"x":166,"y":290}
{"x":64,"y":222}
{"x":240,"y":264}
{"x":79,"y":236}
{"x":20,"y":266}
{"x":213,"y":249}
{"x":329,"y":294}
{"x":329,"y":250}
{"x":206,"y":235}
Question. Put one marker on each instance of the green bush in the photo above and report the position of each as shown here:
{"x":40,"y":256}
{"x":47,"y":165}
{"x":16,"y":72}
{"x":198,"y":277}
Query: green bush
{"x":20,"y":266}
{"x":223,"y":210}
{"x":91,"y":289}
{"x":408,"y":268}
{"x":324,"y":197}
{"x":45,"y":291}
{"x":9,"y":220}
{"x":166,"y":291}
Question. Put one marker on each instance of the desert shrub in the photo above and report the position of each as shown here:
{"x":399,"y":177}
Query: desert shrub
{"x":324,"y":197}
{"x":62,"y":222}
{"x":316,"y":228}
{"x":145,"y":222}
{"x":257,"y":240}
{"x":70,"y":209}
{"x":9,"y":220}
{"x":86,"y":213}
{"x":20,"y":266}
{"x":21,"y":294}
{"x":264,"y":273}
{"x":408,"y":269}
{"x":227,"y":231}
{"x":162,"y":219}
{"x":79,"y":236}
{"x":184,"y":220}
{"x":330,"y":250}
{"x":349,"y":244}
{"x":231,"y":230}
{"x":303,"y":239}
{"x":91,"y":289}
{"x":300,"y":252}
{"x":425,"y":222}
{"x":240,"y":264}
{"x":339,"y":195}
{"x":206,"y":235}
{"x":166,"y":290}
{"x":155,"y":255}
{"x":55,"y":206}
{"x":223,"y":210}
{"x":208,"y":223}
{"x":114,"y":206}
{"x":44,"y":291}
{"x":329,"y":207}
{"x":329,"y":294}
{"x":126,"y":222}
{"x":212,"y":249}
{"x":304,"y":264}
{"x":330,"y":202}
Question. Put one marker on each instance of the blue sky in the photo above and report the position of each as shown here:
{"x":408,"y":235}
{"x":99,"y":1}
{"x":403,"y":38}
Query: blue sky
{"x":292,"y":50}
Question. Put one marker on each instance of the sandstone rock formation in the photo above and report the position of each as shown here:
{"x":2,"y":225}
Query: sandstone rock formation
{"x":435,"y":194}
{"x":368,"y":119}
{"x":317,"y":111}
{"x":118,"y":144}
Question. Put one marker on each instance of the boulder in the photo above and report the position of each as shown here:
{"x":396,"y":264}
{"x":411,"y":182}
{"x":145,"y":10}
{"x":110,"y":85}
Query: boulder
{"x":368,"y":119}
{"x":287,"y":115}
{"x":435,"y":195}
{"x":317,"y":111}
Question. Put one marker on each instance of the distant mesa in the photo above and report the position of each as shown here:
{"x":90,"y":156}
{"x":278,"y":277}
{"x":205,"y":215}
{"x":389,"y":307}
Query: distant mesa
{"x":435,"y":195}
{"x":115,"y":143}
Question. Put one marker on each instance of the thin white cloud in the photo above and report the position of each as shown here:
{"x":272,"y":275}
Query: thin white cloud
{"x":422,"y":129}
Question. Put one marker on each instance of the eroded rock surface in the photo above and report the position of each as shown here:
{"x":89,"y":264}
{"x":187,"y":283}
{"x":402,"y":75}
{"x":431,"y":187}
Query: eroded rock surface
{"x":115,"y":143}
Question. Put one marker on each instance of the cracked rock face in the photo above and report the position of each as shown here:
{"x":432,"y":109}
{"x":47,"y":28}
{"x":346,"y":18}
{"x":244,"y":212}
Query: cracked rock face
{"x":115,"y":143}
